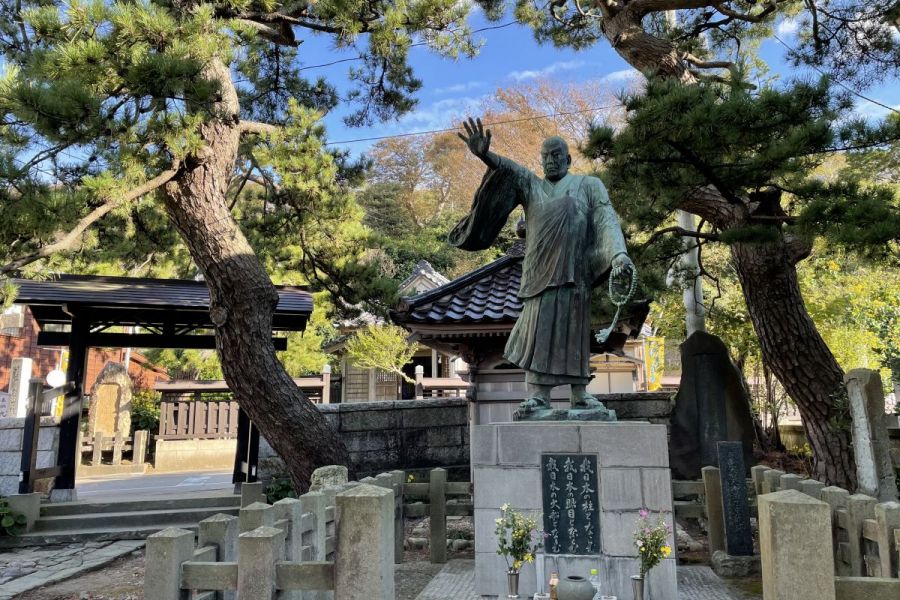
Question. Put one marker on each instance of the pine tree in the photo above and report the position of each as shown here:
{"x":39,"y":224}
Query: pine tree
{"x":746,"y":194}
{"x":173,"y":107}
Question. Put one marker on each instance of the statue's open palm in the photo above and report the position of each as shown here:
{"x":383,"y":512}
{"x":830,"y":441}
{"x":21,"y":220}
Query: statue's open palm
{"x":476,"y":138}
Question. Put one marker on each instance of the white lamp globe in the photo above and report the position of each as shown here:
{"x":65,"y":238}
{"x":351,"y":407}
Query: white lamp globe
{"x":56,"y":378}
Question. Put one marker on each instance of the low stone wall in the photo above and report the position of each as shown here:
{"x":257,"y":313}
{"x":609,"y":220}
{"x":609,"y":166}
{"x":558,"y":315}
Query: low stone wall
{"x":193,"y":455}
{"x":11,"y":433}
{"x":403,"y":434}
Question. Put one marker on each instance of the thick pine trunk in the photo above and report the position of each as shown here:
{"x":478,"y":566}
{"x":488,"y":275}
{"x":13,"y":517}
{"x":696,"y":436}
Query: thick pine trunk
{"x":243,"y":299}
{"x":797,"y":355}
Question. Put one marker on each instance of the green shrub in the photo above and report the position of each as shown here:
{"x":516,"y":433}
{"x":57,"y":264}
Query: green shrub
{"x":145,"y":411}
{"x":280,"y":488}
{"x":11,"y":523}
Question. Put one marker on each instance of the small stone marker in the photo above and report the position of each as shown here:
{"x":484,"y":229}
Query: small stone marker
{"x":736,"y":508}
{"x":19,"y":374}
{"x":329,"y":476}
{"x":871,"y":444}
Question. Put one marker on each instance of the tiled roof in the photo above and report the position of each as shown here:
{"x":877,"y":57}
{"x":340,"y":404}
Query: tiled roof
{"x":424,"y":269}
{"x":486,"y":295}
{"x":48,"y":298}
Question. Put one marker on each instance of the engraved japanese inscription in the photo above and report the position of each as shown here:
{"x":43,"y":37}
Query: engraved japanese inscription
{"x":571,"y":518}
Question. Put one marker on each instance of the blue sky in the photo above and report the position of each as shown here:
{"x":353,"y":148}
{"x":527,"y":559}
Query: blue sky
{"x":509,"y":55}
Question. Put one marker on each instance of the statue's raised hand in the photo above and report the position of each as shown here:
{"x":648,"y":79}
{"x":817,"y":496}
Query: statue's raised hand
{"x":477,"y":139}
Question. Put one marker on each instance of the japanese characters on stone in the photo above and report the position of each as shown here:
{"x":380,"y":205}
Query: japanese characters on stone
{"x":571,"y":522}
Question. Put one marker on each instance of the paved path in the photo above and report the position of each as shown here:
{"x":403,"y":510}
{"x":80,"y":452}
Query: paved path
{"x":24,"y":569}
{"x":456,"y":581}
{"x":109,"y":488}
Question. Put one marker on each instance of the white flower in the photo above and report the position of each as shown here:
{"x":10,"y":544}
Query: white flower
{"x":498,"y":521}
{"x":505,"y":507}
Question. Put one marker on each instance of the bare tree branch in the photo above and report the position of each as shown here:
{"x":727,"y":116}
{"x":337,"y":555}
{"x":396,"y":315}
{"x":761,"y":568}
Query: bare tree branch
{"x":68,"y":240}
{"x":680,"y":231}
{"x":256,"y":127}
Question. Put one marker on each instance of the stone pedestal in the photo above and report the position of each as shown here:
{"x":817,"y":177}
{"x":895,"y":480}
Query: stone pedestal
{"x":633,"y":464}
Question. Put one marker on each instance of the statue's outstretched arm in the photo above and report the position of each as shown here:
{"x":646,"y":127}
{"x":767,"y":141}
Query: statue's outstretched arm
{"x":479,"y":142}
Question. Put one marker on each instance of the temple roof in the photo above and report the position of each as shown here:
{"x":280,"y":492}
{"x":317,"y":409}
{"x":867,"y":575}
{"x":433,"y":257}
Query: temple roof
{"x":486,"y":295}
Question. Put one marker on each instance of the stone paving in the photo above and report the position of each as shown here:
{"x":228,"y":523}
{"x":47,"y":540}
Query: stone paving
{"x":456,"y":581}
{"x":24,"y":569}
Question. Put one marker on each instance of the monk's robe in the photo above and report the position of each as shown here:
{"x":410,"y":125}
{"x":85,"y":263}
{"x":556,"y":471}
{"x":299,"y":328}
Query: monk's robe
{"x":572,"y":235}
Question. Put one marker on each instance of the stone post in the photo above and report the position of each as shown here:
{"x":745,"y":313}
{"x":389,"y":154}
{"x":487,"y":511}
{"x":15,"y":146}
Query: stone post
{"x":812,"y":488}
{"x":859,"y":508}
{"x":256,"y":515}
{"x":97,"y":454}
{"x":399,"y":478}
{"x":771,"y":480}
{"x":139,"y":446}
{"x":789,"y":481}
{"x":118,"y":443}
{"x":326,"y":384}
{"x":220,"y":531}
{"x":19,"y":376}
{"x":437,"y":505}
{"x":314,"y":504}
{"x":258,"y":552}
{"x":871,"y":445}
{"x":364,"y":557}
{"x":290,"y":510}
{"x":837,"y":498}
{"x":252,"y":492}
{"x":712,"y":490}
{"x":887,"y":515}
{"x":794,"y":529}
{"x":165,"y":552}
{"x":757,"y":474}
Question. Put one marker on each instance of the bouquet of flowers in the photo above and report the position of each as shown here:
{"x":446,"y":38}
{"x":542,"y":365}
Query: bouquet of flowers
{"x":650,"y":540}
{"x":518,"y":537}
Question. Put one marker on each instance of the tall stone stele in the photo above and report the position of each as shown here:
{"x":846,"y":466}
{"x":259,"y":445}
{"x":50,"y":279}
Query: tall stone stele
{"x":574,"y":242}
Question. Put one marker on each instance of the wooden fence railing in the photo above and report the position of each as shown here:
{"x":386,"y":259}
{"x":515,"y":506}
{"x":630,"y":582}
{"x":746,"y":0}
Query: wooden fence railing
{"x":36,"y":398}
{"x":316,"y":387}
{"x":438,"y":386}
{"x":198,"y":420}
{"x":285,"y":549}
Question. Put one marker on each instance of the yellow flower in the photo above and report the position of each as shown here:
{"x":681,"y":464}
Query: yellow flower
{"x":410,"y":478}
{"x":498,"y":521}
{"x":529,"y":557}
{"x":666,"y":551}
{"x":517,"y":564}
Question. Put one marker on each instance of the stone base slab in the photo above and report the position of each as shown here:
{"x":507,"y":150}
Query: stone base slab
{"x":632,"y":460}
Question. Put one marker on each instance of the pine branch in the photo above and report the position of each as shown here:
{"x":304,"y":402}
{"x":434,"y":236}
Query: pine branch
{"x":68,"y":240}
{"x":681,"y":232}
{"x":256,"y":127}
{"x":707,"y":64}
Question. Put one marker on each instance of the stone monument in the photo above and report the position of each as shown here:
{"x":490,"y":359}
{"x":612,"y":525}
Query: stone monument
{"x":110,"y":408}
{"x":573,"y":243}
{"x":584,"y":475}
{"x":19,"y":375}
{"x":711,"y":406}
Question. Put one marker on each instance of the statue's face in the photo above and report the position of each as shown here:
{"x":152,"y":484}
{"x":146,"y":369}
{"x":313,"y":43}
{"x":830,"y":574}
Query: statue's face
{"x":555,"y":159}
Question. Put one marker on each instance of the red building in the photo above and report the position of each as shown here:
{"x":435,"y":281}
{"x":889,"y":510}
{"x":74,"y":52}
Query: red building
{"x":18,"y":339}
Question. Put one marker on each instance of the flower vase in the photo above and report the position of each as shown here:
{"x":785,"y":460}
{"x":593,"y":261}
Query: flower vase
{"x":637,"y":587}
{"x":512,"y":584}
{"x":575,"y":588}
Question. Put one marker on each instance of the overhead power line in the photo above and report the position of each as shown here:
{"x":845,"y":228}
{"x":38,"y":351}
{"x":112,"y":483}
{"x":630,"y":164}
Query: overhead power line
{"x":493,"y":124}
{"x":794,"y":51}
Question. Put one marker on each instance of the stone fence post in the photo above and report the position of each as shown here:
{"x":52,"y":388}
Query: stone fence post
{"x":399,"y":478}
{"x":220,"y":531}
{"x":364,"y":560}
{"x":794,"y":533}
{"x":313,"y":503}
{"x":255,"y":515}
{"x":437,"y":504}
{"x":258,"y":552}
{"x":138,"y":446}
{"x":165,"y":552}
{"x":252,"y":492}
{"x":712,"y":491}
{"x":326,"y":384}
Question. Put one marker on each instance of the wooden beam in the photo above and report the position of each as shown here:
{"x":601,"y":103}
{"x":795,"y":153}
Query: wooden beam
{"x":141,"y":340}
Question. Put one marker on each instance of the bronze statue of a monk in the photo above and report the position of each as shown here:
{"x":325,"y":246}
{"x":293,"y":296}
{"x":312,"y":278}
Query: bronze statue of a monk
{"x":573,"y":241}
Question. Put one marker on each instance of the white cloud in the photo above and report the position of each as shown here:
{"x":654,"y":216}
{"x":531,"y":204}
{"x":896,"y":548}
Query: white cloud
{"x":459,"y":88}
{"x":566,"y":65}
{"x":871,"y":111}
{"x":787,"y":27}
{"x":625,"y":75}
{"x":441,"y":114}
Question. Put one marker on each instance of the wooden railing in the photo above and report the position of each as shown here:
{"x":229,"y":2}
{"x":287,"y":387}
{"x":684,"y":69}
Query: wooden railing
{"x":438,"y":386}
{"x":36,"y":398}
{"x":197,"y":420}
{"x":316,"y":387}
